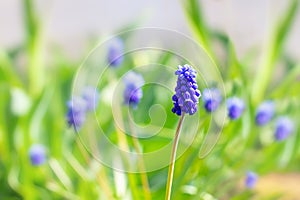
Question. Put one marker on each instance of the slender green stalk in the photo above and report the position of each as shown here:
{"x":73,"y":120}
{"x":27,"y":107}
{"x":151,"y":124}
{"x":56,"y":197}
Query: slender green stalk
{"x":173,"y":158}
{"x":131,"y":177}
{"x":7,"y":70}
{"x":193,"y":13}
{"x":104,"y":183}
{"x":141,"y":164}
{"x":34,"y":48}
{"x":123,"y":143}
{"x":27,"y":186}
{"x":101,"y":175}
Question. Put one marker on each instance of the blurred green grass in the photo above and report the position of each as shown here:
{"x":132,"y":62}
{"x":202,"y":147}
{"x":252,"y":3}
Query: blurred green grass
{"x":72,"y":173}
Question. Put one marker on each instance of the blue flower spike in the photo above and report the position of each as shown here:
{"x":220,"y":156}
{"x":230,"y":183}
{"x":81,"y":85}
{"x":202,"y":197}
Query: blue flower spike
{"x":264,"y":113}
{"x":76,"y":113}
{"x":91,"y":96}
{"x":251,"y":179}
{"x":37,"y":154}
{"x":133,"y":88}
{"x":186,"y":95}
{"x":212,"y":98}
{"x":284,"y":127}
{"x":236,"y":107}
{"x":115,"y":52}
{"x":185,"y":100}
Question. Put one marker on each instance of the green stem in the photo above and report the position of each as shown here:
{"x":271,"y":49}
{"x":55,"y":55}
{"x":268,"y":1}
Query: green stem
{"x":34,"y":47}
{"x":173,"y":158}
{"x":124,"y":145}
{"x":193,"y":12}
{"x":104,"y":183}
{"x":141,"y":164}
{"x":7,"y":70}
{"x":27,"y":185}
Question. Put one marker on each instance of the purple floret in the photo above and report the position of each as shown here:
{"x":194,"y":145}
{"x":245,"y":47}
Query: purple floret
{"x":284,"y":127}
{"x":212,"y":98}
{"x":235,"y":107}
{"x":251,"y":179}
{"x":115,"y":52}
{"x":133,"y":91}
{"x":37,"y":154}
{"x":76,"y":112}
{"x":264,"y":113}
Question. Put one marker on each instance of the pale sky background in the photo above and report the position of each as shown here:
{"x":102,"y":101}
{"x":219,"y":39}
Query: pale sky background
{"x":70,"y":23}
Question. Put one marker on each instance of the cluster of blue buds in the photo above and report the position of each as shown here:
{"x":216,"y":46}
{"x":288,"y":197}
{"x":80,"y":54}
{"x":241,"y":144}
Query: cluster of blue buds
{"x":37,"y":154}
{"x":133,"y":88}
{"x":264,"y":113}
{"x":251,"y":179}
{"x":76,"y":112}
{"x":284,"y":127}
{"x":115,"y":52}
{"x":212,"y":98}
{"x":186,"y":95}
{"x":235,"y":107}
{"x":78,"y":106}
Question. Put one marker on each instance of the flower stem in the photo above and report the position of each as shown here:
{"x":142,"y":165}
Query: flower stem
{"x":141,"y":164}
{"x":173,"y":158}
{"x":34,"y":48}
{"x":104,"y":183}
{"x":124,"y":145}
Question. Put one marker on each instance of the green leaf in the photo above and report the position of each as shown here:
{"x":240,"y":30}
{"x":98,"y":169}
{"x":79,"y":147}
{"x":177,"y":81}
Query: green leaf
{"x":195,"y":18}
{"x":284,"y":87}
{"x":7,"y":73}
{"x":273,"y":52}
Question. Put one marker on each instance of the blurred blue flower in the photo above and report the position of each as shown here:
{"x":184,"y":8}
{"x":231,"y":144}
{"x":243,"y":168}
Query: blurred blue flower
{"x":76,"y":112}
{"x":212,"y":98}
{"x":235,"y":107}
{"x":284,"y":127}
{"x":264,"y":113}
{"x":251,"y":179}
{"x":115,"y":52}
{"x":37,"y":154}
{"x":186,"y":92}
{"x":91,"y":96}
{"x":133,"y":92}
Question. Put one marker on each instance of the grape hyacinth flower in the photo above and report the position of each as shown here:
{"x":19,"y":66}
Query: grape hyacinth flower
{"x":212,"y":98}
{"x":264,"y":113}
{"x":185,"y":100}
{"x":115,"y":52}
{"x":251,"y":179}
{"x":235,"y":107}
{"x":133,"y":92}
{"x":91,"y":96}
{"x":37,"y":154}
{"x":186,"y":94}
{"x":76,"y":112}
{"x":284,"y":127}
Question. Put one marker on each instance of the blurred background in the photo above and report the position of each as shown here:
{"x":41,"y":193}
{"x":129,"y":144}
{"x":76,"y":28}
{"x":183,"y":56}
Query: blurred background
{"x":70,"y":23}
{"x":252,"y":46}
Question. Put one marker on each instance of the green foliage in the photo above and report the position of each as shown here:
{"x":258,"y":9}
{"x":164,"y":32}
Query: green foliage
{"x":71,"y":172}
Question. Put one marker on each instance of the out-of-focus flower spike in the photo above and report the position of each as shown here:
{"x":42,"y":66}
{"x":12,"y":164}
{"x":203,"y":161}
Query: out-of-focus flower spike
{"x":115,"y":52}
{"x":236,"y":107}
